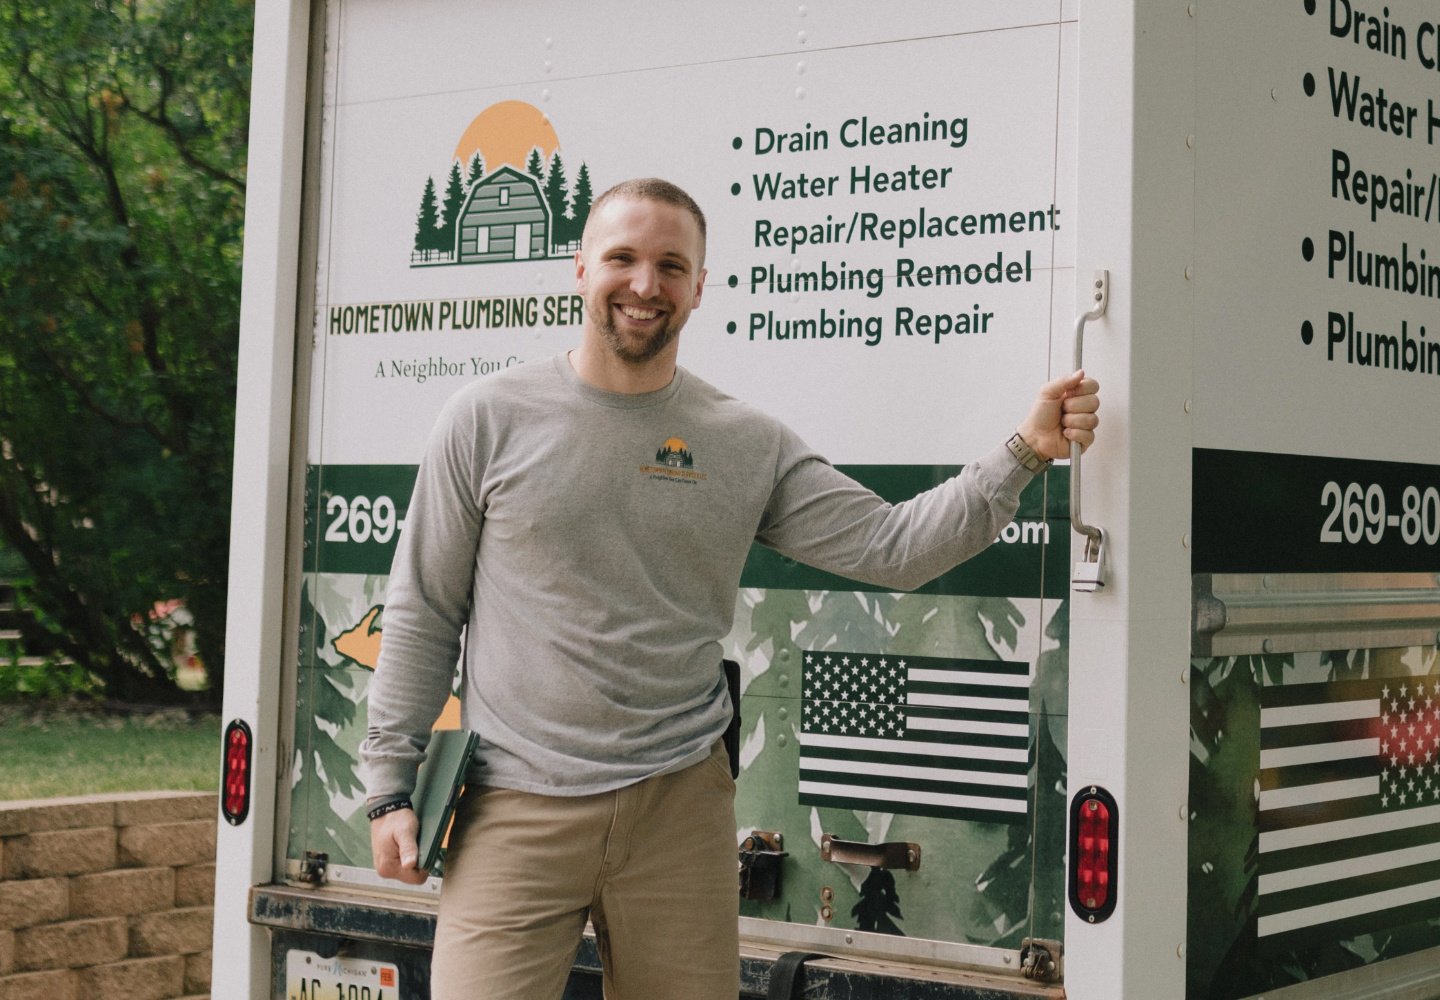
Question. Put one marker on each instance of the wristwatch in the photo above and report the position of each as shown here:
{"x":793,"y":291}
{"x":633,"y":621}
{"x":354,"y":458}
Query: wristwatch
{"x":1026,"y":455}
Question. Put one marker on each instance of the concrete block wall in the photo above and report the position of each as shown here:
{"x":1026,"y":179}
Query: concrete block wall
{"x":107,"y":896}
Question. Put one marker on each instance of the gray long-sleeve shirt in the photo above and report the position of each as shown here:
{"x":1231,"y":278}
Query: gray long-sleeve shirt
{"x":595,"y":540}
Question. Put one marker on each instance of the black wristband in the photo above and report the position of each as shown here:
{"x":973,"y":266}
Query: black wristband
{"x":388,"y":807}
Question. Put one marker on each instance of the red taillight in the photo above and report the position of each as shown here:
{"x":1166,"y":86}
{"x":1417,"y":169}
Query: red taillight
{"x":235,"y":773}
{"x":1094,"y":825}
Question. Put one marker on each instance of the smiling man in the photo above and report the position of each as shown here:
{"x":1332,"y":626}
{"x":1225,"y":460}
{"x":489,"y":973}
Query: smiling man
{"x":586,"y":519}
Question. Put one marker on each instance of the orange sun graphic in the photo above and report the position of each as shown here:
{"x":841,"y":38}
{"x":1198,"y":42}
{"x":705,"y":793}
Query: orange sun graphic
{"x":505,"y":133}
{"x":674,"y":444}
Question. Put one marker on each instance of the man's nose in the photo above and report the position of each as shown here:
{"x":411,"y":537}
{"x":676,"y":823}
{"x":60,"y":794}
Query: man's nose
{"x":645,"y":281}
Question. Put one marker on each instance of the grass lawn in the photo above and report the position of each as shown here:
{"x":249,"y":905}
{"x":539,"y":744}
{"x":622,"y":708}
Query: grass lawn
{"x":48,"y":753}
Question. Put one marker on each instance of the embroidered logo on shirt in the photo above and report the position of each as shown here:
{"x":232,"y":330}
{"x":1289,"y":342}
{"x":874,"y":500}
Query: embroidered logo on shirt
{"x":674,"y":463}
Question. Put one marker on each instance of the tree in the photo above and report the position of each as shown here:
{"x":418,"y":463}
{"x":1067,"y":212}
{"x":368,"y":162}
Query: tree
{"x":476,"y":171}
{"x":535,"y":166}
{"x":427,"y":233}
{"x":122,"y":184}
{"x":580,"y":202}
{"x":556,"y":195}
{"x":450,"y":210}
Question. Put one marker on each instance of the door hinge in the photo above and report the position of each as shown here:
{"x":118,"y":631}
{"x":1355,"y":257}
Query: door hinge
{"x":1040,"y":959}
{"x":309,"y":870}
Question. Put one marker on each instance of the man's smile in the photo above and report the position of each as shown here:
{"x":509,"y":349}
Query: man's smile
{"x":638,"y":312}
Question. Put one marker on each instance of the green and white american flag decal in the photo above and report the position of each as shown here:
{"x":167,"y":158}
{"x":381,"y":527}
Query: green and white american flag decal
{"x":1349,"y":809}
{"x":915,"y":735}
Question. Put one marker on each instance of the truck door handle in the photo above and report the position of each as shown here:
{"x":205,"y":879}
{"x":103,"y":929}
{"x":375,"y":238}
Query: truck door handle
{"x":1089,"y":572}
{"x":895,"y":854}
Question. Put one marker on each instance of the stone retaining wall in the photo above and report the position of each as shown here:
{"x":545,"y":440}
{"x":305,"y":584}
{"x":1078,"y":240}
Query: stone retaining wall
{"x":107,"y":896}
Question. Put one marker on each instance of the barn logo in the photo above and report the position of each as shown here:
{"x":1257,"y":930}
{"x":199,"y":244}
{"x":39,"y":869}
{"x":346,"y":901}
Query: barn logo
{"x":676,"y":454}
{"x":674,"y":463}
{"x":508,"y":195}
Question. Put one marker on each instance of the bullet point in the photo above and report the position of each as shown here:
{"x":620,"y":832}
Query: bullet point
{"x":1307,"y":332}
{"x":735,"y":188}
{"x":1310,"y":6}
{"x":730,"y":327}
{"x":1307,"y":248}
{"x":734,"y":281}
{"x":1309,"y":84}
{"x":737,"y":142}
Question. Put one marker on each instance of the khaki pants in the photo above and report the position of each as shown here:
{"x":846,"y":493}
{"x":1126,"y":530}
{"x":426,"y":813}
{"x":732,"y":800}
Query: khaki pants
{"x":652,"y":866}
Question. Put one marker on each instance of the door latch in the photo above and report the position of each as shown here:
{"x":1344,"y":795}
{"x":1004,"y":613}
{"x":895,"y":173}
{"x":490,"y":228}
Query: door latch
{"x":760,"y":865}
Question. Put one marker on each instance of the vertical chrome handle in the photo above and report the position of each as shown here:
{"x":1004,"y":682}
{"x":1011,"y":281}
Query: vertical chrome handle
{"x":1089,"y":570}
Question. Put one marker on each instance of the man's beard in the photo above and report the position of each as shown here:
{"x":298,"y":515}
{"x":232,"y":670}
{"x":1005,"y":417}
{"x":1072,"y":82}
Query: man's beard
{"x":646,"y":351}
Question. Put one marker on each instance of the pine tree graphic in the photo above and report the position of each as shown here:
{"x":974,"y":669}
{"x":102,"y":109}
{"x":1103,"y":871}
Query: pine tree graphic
{"x":535,"y":166}
{"x":454,"y":198}
{"x":556,"y":195}
{"x":426,"y":234}
{"x":580,"y":201}
{"x":475,"y":172}
{"x":879,"y":901}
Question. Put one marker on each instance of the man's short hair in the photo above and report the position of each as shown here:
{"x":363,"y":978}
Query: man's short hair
{"x":653,"y":189}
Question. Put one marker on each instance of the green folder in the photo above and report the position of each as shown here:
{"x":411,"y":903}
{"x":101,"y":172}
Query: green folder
{"x":437,"y":789}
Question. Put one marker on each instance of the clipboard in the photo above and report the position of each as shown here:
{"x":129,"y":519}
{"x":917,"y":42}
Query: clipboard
{"x":437,"y":790}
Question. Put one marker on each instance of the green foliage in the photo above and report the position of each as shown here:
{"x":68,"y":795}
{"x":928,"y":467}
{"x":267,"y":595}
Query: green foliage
{"x":40,"y":679}
{"x":325,"y":770}
{"x":122,"y":150}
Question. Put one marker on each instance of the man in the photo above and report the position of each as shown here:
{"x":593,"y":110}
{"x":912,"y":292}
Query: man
{"x":597,"y":584}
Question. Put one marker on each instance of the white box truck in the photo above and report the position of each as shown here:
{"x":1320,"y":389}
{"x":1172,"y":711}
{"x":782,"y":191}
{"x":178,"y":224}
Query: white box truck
{"x":1174,"y":735}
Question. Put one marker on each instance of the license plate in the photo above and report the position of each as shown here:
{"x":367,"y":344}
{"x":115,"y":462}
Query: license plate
{"x":308,"y":976}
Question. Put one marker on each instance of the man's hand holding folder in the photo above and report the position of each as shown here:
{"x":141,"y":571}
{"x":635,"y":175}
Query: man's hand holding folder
{"x":393,"y":843}
{"x":406,"y":842}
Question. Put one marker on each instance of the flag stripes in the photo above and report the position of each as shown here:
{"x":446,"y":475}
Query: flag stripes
{"x":915,"y":735}
{"x":1349,"y":813}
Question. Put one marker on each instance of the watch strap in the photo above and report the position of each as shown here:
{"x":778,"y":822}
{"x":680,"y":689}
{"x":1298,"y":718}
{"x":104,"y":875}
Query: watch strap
{"x":1026,"y":455}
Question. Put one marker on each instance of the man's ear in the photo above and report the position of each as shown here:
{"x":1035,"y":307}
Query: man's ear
{"x":579,"y":272}
{"x":699,"y":288}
